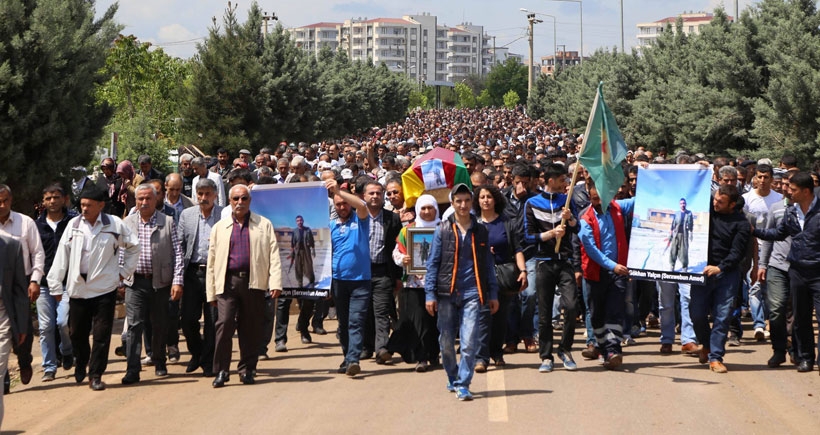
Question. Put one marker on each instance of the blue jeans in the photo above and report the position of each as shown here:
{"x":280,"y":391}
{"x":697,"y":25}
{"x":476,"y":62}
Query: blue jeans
{"x":458,"y":315}
{"x":587,"y":316}
{"x":522,"y":318}
{"x":757,"y":304}
{"x":717,"y":296}
{"x":352,"y":301}
{"x":53,"y":315}
{"x":667,"y":291}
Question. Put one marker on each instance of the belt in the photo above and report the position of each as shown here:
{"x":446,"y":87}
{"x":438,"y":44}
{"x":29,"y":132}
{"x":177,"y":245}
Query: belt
{"x":241,"y":274}
{"x":143,"y":275}
{"x":198,"y":266}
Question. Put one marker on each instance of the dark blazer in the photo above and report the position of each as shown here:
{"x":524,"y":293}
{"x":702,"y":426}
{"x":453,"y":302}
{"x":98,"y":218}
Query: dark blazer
{"x":14,"y":285}
{"x":392,"y":227}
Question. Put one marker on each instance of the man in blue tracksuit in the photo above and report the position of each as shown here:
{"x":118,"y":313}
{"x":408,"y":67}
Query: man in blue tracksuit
{"x":543,"y":218}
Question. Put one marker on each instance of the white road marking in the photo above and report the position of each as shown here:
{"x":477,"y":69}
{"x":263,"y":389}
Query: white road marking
{"x":496,"y":396}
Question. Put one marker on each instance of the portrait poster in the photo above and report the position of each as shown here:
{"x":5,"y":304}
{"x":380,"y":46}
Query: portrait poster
{"x":432,"y":172}
{"x":669,"y":240}
{"x":419,"y":241}
{"x":300,"y":216}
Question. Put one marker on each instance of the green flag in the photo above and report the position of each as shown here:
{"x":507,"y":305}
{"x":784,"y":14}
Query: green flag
{"x":603,"y":151}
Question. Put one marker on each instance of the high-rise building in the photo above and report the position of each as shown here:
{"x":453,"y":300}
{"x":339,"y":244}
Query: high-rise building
{"x":415,"y":45}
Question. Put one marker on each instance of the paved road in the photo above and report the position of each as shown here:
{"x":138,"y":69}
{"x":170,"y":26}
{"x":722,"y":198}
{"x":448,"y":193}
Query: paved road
{"x":298,"y":392}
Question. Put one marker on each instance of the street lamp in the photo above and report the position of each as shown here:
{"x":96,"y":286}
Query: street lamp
{"x":554,"y":32}
{"x":581,"y":8}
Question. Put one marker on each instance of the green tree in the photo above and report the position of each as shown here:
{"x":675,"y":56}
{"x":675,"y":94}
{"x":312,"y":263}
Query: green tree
{"x":226,"y":106}
{"x":484,"y":99}
{"x":511,"y":99}
{"x":502,"y":78}
{"x":417,"y":99}
{"x":51,"y":55}
{"x":147,"y":91}
{"x":466,"y":99}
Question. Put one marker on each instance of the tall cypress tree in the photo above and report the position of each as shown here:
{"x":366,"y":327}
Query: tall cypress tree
{"x":51,"y":53}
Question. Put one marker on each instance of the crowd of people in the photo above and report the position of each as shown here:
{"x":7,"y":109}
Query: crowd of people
{"x":511,"y":261}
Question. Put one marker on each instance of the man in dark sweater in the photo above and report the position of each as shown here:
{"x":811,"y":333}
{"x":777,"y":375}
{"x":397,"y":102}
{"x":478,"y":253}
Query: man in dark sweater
{"x":728,"y":236}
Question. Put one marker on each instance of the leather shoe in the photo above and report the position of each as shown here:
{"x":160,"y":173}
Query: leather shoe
{"x":777,"y":359}
{"x":96,"y":384}
{"x":717,"y":367}
{"x":319,"y":330}
{"x":306,"y":338}
{"x":161,"y":371}
{"x":531,"y":345}
{"x":280,"y":347}
{"x":591,"y":352}
{"x":365,"y":355}
{"x":805,"y":366}
{"x":25,"y":374}
{"x":130,"y":378}
{"x":79,"y":374}
{"x":666,"y":348}
{"x":689,"y":349}
{"x":192,"y":365}
{"x":68,"y":362}
{"x":221,"y":378}
{"x":247,"y":379}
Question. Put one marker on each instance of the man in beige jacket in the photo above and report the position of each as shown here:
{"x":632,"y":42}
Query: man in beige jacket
{"x":243,"y":264}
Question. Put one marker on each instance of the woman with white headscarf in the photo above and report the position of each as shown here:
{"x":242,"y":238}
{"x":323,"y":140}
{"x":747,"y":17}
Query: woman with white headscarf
{"x":416,"y":335}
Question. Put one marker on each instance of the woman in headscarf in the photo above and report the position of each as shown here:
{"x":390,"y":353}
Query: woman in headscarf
{"x":416,"y":335}
{"x":130,"y":181}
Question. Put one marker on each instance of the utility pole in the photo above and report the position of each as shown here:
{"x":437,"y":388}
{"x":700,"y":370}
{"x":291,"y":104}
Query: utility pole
{"x":267,"y":18}
{"x":532,"y":21}
{"x":622,"y":25}
{"x":737,"y":12}
{"x":495,"y":56}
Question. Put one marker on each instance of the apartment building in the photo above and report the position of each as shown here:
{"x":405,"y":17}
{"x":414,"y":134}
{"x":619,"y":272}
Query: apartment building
{"x":692,"y":23}
{"x":415,"y":45}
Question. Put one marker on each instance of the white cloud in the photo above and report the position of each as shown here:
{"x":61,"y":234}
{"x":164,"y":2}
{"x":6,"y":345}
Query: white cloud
{"x":175,"y":33}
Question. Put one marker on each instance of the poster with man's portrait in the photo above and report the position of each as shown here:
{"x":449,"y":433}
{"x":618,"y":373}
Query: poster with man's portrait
{"x":669,"y":239}
{"x":432,"y":172}
{"x":300,"y":215}
{"x":419,"y":242}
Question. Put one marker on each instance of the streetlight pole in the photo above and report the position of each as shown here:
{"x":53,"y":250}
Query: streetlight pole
{"x":622,"y":26}
{"x":581,"y":9}
{"x":532,"y":21}
{"x":554,"y":31}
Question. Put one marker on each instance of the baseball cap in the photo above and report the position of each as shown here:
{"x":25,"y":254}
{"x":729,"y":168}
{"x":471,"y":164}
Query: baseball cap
{"x":347,"y":174}
{"x":460,"y":188}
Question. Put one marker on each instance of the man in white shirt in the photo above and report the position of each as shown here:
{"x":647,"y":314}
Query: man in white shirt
{"x":758,"y":201}
{"x":23,"y":229}
{"x":202,"y":171}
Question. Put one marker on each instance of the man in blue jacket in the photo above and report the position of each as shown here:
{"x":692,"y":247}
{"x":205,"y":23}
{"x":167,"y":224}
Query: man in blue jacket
{"x":460,"y":280}
{"x":802,"y":222}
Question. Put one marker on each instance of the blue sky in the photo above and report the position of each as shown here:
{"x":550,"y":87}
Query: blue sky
{"x":177,"y":25}
{"x":663,"y":189}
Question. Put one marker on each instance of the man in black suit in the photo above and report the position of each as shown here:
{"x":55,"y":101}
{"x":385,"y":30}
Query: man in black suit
{"x":14,"y":301}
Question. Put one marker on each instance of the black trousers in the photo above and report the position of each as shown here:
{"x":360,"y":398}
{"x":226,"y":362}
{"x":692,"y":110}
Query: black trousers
{"x":382,"y":310}
{"x":94,"y":316}
{"x":550,"y":275}
{"x":243,"y":308}
{"x":310,"y":311}
{"x":805,"y":289}
{"x":193,"y":306}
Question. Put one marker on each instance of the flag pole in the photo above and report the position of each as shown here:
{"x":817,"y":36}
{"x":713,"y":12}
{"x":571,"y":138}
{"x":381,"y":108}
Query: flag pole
{"x":578,"y":165}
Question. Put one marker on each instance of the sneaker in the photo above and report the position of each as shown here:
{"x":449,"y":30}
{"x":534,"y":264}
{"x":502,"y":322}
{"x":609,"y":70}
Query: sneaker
{"x":450,"y":387}
{"x":48,"y":376}
{"x":353,"y":369}
{"x":147,"y":361}
{"x":280,"y":347}
{"x":546,"y":366}
{"x":760,"y":334}
{"x":557,"y":326}
{"x":481,"y":367}
{"x":613,"y":361}
{"x":569,"y":363}
{"x":629,"y":341}
{"x":342,"y":368}
{"x":463,"y":394}
{"x":733,"y":340}
{"x":591,"y":352}
{"x":421,"y":367}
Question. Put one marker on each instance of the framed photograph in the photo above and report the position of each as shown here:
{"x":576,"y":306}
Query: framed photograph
{"x":419,"y":242}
